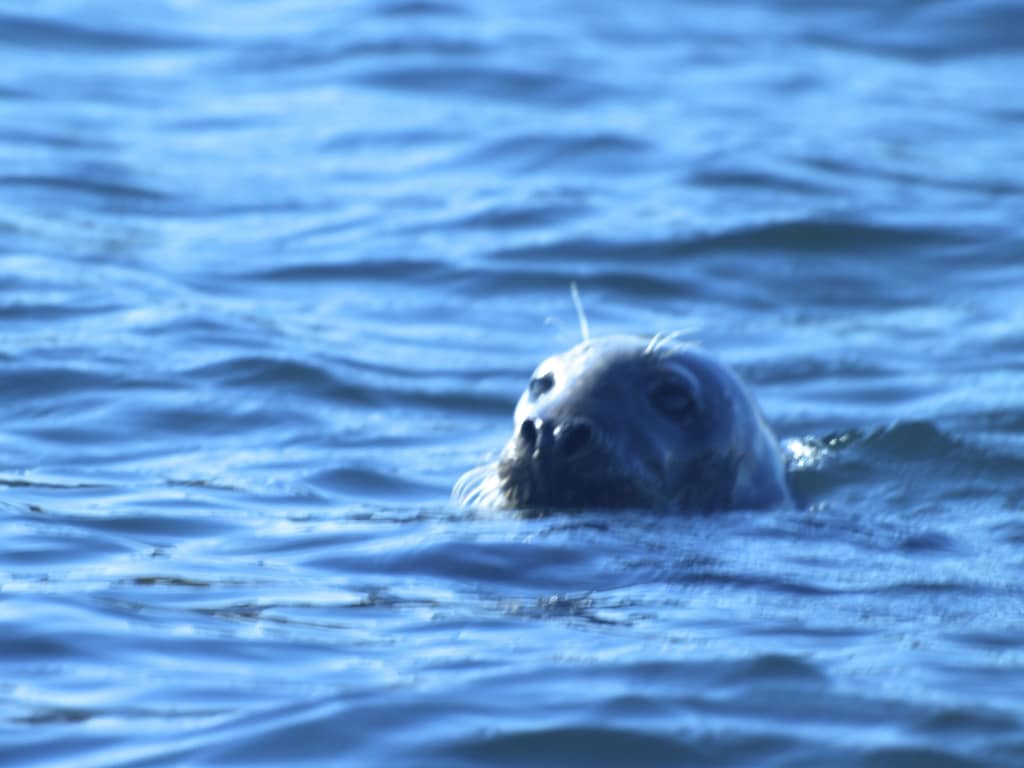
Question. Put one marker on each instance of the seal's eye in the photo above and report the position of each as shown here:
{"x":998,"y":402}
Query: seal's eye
{"x":541,"y":384}
{"x":673,"y":399}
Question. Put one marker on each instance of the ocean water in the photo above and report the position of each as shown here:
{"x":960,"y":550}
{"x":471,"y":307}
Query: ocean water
{"x":273,"y":274}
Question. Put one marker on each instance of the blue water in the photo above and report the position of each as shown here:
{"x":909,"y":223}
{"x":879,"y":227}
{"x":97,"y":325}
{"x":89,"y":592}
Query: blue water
{"x":273,"y":274}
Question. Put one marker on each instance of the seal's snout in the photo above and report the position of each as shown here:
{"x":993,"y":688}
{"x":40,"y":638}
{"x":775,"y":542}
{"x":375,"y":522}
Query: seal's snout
{"x":565,"y":461}
{"x":574,"y":438}
{"x":546,"y":441}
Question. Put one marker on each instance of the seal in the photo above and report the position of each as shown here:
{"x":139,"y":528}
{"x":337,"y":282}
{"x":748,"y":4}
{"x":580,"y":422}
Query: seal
{"x":625,"y":422}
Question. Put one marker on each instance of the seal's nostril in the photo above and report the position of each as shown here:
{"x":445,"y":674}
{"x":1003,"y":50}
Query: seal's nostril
{"x":528,"y":434}
{"x":574,"y":438}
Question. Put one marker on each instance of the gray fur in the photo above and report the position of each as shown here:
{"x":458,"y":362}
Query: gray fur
{"x":624,"y":422}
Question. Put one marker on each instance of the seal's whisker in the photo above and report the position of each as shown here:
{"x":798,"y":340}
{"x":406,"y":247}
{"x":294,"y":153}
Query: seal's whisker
{"x":478,"y":487}
{"x":578,"y":303}
{"x":669,"y":339}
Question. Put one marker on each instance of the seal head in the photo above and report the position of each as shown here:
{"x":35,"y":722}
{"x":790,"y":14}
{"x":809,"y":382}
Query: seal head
{"x":622,"y":422}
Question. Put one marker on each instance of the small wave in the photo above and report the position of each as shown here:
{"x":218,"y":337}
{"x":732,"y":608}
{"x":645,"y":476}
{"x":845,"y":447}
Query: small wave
{"x":348,"y":141}
{"x":599,"y":154}
{"x":752,"y":179}
{"x":511,"y":217}
{"x":584,"y":745}
{"x":909,"y":441}
{"x":368,"y":483}
{"x":829,"y":236}
{"x":34,"y":32}
{"x":787,"y":237}
{"x":389,"y":48}
{"x":104,"y":191}
{"x":323,"y":58}
{"x":512,"y":566}
{"x":924,"y":32}
{"x":418,"y":8}
{"x":30,"y":312}
{"x":847,"y":169}
{"x":346,"y":380}
{"x":902,"y":455}
{"x":587,"y":250}
{"x":487,"y":82}
{"x":30,"y":383}
{"x":776,"y":667}
{"x":50,"y":137}
{"x":914,"y":441}
{"x":553,"y":279}
{"x":418,"y":271}
{"x":32,"y":482}
{"x":269,"y":373}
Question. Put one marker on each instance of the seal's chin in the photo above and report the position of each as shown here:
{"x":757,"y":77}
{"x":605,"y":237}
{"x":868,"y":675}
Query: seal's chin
{"x":526,"y":483}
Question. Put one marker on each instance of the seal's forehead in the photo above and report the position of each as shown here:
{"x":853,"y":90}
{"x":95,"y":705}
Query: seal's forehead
{"x":593,"y":355}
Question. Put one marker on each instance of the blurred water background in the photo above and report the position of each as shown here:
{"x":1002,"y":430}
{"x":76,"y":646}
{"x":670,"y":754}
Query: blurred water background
{"x":273,"y":273}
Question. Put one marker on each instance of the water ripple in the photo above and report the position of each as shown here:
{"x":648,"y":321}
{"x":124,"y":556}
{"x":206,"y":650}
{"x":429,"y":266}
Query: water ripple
{"x":274,"y":275}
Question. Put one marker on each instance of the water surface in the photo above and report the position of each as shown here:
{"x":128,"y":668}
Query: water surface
{"x":273,"y":274}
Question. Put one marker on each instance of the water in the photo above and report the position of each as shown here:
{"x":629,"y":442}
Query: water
{"x":272,"y":275}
